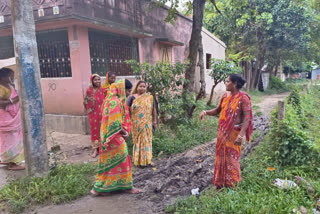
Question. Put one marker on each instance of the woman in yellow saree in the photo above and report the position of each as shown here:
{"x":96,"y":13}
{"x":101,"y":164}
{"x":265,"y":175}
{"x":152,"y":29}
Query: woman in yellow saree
{"x":235,"y":124}
{"x":144,"y":121}
{"x":114,"y":168}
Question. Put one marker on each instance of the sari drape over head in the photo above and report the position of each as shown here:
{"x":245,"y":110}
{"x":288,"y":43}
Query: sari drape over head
{"x":227,"y":163}
{"x":11,"y":138}
{"x":93,"y":101}
{"x":114,"y":168}
{"x":141,"y":117}
{"x":106,"y":85}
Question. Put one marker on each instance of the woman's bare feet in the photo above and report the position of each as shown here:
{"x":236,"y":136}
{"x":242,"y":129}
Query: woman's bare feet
{"x":95,"y":153}
{"x":134,"y":191}
{"x":95,"y":193}
{"x":152,"y":164}
{"x":13,"y":166}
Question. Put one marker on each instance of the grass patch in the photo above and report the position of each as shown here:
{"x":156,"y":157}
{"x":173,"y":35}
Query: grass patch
{"x":63,"y":184}
{"x":255,"y":194}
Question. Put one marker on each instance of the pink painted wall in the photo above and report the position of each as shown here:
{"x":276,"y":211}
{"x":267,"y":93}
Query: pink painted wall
{"x":65,"y":95}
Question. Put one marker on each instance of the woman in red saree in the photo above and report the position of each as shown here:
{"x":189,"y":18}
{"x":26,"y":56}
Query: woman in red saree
{"x":93,"y":102}
{"x":235,"y":125}
{"x":114,"y":169}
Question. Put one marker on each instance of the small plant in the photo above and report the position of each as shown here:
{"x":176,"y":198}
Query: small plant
{"x":220,"y":70}
{"x":164,"y":82}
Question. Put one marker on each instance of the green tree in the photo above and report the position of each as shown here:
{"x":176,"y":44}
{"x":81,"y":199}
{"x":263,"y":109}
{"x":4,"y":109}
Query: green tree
{"x":261,"y":32}
{"x":220,"y":70}
{"x":195,"y":47}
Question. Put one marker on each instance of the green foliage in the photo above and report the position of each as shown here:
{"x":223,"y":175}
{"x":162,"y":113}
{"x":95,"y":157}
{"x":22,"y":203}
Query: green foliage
{"x":179,"y":135}
{"x":164,"y":82}
{"x":277,"y":84}
{"x":63,"y":184}
{"x":271,"y":32}
{"x":221,"y":69}
{"x":292,"y":142}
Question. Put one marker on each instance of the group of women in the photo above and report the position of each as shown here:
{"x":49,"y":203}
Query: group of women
{"x":113,"y":113}
{"x":121,"y":113}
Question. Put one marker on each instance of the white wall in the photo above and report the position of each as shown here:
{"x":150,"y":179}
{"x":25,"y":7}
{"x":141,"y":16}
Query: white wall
{"x":211,"y":45}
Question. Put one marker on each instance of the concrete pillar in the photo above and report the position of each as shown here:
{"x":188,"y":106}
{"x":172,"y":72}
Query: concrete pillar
{"x":80,"y":59}
{"x":281,"y":110}
{"x":34,"y":133}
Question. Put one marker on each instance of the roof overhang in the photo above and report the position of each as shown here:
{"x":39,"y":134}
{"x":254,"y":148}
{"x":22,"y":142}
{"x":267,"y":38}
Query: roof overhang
{"x":101,"y":24}
{"x":170,"y":42}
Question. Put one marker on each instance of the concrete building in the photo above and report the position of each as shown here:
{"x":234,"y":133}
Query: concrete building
{"x":79,"y":37}
{"x":315,"y":74}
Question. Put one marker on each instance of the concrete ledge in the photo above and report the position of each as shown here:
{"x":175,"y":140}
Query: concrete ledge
{"x":67,"y":124}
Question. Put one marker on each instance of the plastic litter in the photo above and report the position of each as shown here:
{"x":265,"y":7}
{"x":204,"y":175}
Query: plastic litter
{"x":195,"y":191}
{"x":285,"y":184}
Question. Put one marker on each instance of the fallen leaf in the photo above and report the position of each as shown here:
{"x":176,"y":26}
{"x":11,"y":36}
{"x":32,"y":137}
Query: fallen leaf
{"x":154,"y":169}
{"x":271,"y":169}
{"x":199,"y":161}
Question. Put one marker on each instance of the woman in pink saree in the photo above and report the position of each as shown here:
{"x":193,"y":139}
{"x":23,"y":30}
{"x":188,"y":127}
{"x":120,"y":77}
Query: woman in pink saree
{"x":11,"y":141}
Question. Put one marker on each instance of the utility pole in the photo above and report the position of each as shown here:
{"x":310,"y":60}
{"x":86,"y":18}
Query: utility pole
{"x":28,"y":71}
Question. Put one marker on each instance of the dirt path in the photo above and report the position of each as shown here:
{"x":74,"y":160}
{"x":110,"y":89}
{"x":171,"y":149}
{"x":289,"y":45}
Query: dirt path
{"x":270,"y":101}
{"x":172,"y":177}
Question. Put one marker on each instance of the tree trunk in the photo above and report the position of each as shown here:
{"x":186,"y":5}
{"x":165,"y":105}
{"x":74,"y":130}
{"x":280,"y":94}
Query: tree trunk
{"x":202,"y":92}
{"x":211,"y":94}
{"x":198,"y":11}
{"x":259,"y":59}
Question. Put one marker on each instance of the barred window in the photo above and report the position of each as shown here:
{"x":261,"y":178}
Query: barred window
{"x":6,"y":47}
{"x":54,"y":54}
{"x":53,"y":50}
{"x":109,"y":52}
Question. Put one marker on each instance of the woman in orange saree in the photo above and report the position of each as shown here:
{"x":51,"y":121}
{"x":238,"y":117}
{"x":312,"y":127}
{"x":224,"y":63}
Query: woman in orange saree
{"x":114,"y":168}
{"x":235,"y":124}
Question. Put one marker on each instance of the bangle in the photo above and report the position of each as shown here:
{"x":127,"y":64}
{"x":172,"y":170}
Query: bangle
{"x":205,"y":112}
{"x":10,"y":100}
{"x":240,"y":136}
{"x":126,"y":135}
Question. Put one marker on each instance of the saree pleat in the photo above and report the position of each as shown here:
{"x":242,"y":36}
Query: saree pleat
{"x":114,"y":167}
{"x":141,"y":114}
{"x":227,"y":170}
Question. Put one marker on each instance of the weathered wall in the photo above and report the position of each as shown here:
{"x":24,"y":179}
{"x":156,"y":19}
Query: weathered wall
{"x":129,"y":17}
{"x":211,"y":45}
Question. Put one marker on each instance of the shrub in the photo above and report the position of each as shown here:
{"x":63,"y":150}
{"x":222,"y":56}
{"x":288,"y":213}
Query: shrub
{"x":292,"y":141}
{"x":277,"y":84}
{"x":164,"y":82}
